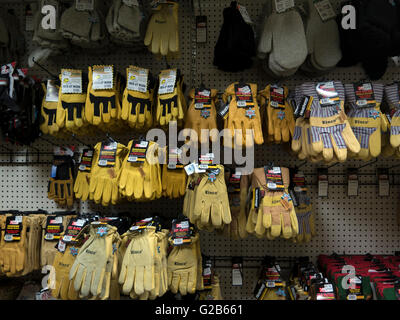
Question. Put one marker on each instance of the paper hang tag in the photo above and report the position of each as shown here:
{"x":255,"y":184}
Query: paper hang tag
{"x":181,"y":232}
{"x":277,"y":95}
{"x":237,"y":273}
{"x":245,"y":15}
{"x":103,"y":78}
{"x":74,"y":227}
{"x":85,"y":163}
{"x":202,"y":99}
{"x":167,"y":81}
{"x":283,"y":5}
{"x":323,"y":183}
{"x":71,"y":81}
{"x":327,"y":94}
{"x":131,"y":3}
{"x":190,"y":169}
{"x":138,"y":152}
{"x":13,"y":229}
{"x":274,"y":179}
{"x":365,"y":97}
{"x":325,"y":9}
{"x":54,"y":228}
{"x":304,"y":108}
{"x":84,"y":5}
{"x":352,"y":182}
{"x":244,"y":98}
{"x":51,"y":91}
{"x":107,"y":154}
{"x":175,"y":159}
{"x":137,"y":79}
{"x":383,"y":182}
{"x":224,"y":110}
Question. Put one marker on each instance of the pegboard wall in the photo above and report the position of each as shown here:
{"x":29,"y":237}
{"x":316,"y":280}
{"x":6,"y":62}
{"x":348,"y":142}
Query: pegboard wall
{"x":353,"y":225}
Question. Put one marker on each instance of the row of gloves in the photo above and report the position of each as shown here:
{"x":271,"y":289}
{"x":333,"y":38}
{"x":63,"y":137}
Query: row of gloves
{"x":237,"y":204}
{"x":12,"y":42}
{"x":373,"y":277}
{"x":123,"y":23}
{"x":326,"y":132}
{"x":27,"y":241}
{"x":140,"y":263}
{"x":296,"y":39}
{"x":20,"y":98}
{"x":112,"y":172}
{"x":110,"y":110}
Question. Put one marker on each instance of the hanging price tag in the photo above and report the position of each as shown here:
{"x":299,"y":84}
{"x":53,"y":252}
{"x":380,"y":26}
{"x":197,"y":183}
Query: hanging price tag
{"x":71,"y":81}
{"x":138,"y":152}
{"x":325,"y":9}
{"x":384,"y":185}
{"x":107,"y":154}
{"x":137,"y":79}
{"x":103,"y":78}
{"x":131,"y":3}
{"x":283,"y":5}
{"x":51,"y":91}
{"x":245,"y":14}
{"x":167,"y":81}
{"x":323,"y":183}
{"x":84,"y":5}
{"x":352,"y":182}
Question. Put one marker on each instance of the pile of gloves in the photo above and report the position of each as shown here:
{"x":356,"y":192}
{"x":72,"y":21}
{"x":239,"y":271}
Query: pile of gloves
{"x":297,"y":38}
{"x":19,"y":97}
{"x":375,"y":276}
{"x":206,"y":201}
{"x":306,"y":282}
{"x":325,"y":132}
{"x":235,"y":47}
{"x":103,"y":100}
{"x":28,"y":240}
{"x":162,"y":33}
{"x":87,"y":27}
{"x":12,"y":43}
{"x":140,"y":263}
{"x":375,"y":37}
{"x":271,"y":210}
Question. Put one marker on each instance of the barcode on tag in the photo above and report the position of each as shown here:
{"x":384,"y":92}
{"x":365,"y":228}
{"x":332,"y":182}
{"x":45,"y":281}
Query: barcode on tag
{"x":167,"y":81}
{"x":178,"y":241}
{"x":8,"y":237}
{"x":67,"y":238}
{"x":103,"y":78}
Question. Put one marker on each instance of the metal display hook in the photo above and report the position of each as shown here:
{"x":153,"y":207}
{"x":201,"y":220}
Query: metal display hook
{"x":80,"y":141}
{"x":368,"y":164}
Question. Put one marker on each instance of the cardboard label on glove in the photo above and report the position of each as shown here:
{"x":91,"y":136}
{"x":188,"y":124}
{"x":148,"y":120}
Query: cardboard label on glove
{"x":85,"y":163}
{"x":181,"y":232}
{"x":175,"y":159}
{"x":277,"y":97}
{"x":167,"y":81}
{"x":51,"y":91}
{"x":74,"y":227}
{"x":54,"y":228}
{"x":71,"y":81}
{"x":202,"y":99}
{"x":244,"y":97}
{"x":103,"y":78}
{"x":365,"y":97}
{"x":138,"y":152}
{"x":274,"y":179}
{"x":13,"y":229}
{"x":327,"y":94}
{"x":137,"y":79}
{"x":108,"y":152}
